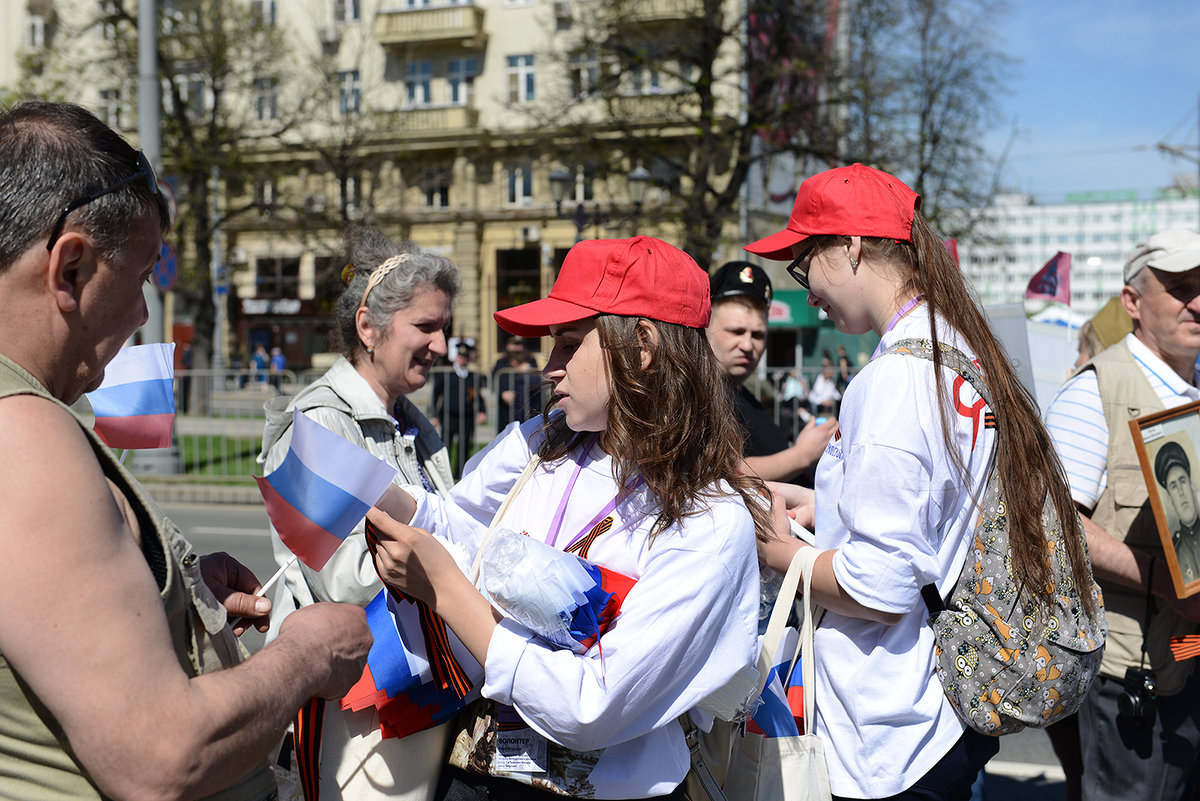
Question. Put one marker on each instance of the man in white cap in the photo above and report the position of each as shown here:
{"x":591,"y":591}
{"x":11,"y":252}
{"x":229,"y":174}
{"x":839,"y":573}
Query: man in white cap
{"x":1142,"y":750}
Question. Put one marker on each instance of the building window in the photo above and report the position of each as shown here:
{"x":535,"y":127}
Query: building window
{"x":416,"y":3}
{"x":352,"y":196}
{"x":345,"y":10}
{"x":109,"y":16}
{"x":263,"y":12}
{"x":520,"y":185}
{"x":644,"y":80}
{"x":520,"y":79}
{"x":277,"y":278}
{"x":193,"y":92}
{"x":264,"y":195}
{"x":109,"y":110}
{"x":265,"y":99}
{"x":436,"y":185}
{"x":35,"y":32}
{"x":461,"y":75}
{"x":349,"y":93}
{"x":584,"y":188}
{"x":416,"y":83}
{"x":585,"y":76}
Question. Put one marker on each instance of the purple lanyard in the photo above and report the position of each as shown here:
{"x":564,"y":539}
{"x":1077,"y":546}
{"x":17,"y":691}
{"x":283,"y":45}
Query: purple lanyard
{"x":556,"y":522}
{"x":903,"y":310}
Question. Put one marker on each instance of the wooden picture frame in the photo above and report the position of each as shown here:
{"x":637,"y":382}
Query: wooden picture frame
{"x":1167,"y":444}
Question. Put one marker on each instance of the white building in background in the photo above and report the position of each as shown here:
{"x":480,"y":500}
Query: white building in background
{"x":1019,"y":235}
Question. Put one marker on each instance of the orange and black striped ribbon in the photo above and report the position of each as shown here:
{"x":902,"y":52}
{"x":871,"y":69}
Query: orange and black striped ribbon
{"x":447,"y":671}
{"x":306,"y":738}
{"x":581,"y":547}
{"x":1185,"y":647}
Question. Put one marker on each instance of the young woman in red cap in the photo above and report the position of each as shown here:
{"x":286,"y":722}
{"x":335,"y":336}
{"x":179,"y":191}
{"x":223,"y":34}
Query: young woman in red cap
{"x":636,"y":471}
{"x":894,"y":494}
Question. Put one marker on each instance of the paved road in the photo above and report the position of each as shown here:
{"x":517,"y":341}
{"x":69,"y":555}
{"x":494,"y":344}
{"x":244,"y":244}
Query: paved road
{"x":1025,"y":768}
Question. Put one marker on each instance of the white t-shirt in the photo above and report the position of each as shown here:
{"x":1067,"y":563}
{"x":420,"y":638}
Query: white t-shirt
{"x":889,"y":499}
{"x":1075,"y":420}
{"x":688,"y":626}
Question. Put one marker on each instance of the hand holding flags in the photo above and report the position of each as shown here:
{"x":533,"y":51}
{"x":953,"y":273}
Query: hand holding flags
{"x":1053,"y":281}
{"x":418,"y":673}
{"x":135,"y":405}
{"x":321,"y":491}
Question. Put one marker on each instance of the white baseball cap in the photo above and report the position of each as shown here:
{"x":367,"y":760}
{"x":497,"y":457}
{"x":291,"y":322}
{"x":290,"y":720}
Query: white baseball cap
{"x":1175,"y":250}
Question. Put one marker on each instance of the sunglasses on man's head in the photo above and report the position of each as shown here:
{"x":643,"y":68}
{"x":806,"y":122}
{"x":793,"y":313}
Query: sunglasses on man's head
{"x":798,"y":269}
{"x":145,"y":171}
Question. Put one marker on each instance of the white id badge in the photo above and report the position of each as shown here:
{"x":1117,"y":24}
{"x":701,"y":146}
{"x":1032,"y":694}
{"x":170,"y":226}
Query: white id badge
{"x":520,"y":751}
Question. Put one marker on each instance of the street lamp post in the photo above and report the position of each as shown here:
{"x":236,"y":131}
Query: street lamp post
{"x":562,"y":186}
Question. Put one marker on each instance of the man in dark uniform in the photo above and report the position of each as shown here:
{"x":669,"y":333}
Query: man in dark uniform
{"x":458,"y":406}
{"x":515,"y":378}
{"x":1173,"y":472}
{"x":737,"y":332}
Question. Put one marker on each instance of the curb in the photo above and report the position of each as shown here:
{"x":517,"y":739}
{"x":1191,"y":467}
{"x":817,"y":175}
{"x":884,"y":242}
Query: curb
{"x":169,"y":492}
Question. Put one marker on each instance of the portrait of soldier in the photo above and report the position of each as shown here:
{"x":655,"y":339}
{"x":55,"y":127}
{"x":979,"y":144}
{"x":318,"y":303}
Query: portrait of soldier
{"x":1173,"y":472}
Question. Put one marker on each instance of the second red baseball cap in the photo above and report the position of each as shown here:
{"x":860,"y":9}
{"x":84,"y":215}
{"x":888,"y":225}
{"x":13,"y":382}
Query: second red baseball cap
{"x":845,"y":201}
{"x":638,"y":277}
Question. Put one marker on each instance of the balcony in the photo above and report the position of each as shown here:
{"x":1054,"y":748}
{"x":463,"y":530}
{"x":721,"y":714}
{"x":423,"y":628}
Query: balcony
{"x":652,"y":108}
{"x":438,"y":25}
{"x":648,"y":11}
{"x":423,"y":121}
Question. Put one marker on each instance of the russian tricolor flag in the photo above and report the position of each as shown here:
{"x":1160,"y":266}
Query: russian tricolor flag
{"x":418,"y":673}
{"x":135,"y":405}
{"x":321,"y":491}
{"x":782,"y":707}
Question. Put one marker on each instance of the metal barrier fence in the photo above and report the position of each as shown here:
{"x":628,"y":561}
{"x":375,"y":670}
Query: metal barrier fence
{"x":219,"y":413}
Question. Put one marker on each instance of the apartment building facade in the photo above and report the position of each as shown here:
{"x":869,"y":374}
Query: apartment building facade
{"x":480,"y":130}
{"x":1019,"y":235}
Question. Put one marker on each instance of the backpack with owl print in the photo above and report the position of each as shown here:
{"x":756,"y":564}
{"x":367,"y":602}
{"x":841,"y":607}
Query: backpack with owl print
{"x":1004,"y":661}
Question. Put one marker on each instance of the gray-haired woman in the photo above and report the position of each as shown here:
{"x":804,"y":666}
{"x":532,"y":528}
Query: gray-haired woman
{"x":391,"y":319}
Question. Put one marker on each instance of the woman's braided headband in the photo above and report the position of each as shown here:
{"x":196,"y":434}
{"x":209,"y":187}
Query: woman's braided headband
{"x":380,"y":273}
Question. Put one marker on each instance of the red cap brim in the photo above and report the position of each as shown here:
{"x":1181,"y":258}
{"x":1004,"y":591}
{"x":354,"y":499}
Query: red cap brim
{"x":534,"y":319}
{"x":777,"y":246}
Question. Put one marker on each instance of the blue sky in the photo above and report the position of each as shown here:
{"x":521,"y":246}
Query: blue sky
{"x":1094,"y":81}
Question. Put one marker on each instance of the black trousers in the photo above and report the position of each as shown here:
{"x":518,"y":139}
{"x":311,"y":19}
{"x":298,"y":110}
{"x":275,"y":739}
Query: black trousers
{"x":460,"y":785}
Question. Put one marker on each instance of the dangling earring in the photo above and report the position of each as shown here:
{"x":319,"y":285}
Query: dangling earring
{"x":854,"y":266}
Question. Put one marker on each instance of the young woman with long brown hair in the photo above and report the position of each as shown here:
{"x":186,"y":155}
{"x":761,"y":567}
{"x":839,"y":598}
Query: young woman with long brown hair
{"x":637,"y":472}
{"x":896,"y":496}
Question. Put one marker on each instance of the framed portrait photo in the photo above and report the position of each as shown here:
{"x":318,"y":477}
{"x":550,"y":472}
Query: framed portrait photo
{"x":1167,"y":444}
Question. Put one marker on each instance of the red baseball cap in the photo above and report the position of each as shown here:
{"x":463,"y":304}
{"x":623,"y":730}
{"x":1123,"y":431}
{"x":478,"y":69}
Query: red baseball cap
{"x":845,"y":201}
{"x":638,"y":277}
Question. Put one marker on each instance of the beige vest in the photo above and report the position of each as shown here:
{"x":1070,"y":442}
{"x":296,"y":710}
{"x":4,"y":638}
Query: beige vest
{"x":1123,"y":510}
{"x":36,"y":761}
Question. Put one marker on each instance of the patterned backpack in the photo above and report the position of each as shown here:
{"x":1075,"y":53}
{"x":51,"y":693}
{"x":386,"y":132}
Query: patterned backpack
{"x":1003,"y":665}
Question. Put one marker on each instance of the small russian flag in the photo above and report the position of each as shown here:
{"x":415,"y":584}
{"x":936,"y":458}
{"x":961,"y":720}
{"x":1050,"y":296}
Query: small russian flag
{"x":604,"y":600}
{"x":782,"y":706}
{"x":324,"y":486}
{"x":135,"y":405}
{"x":418,"y":673}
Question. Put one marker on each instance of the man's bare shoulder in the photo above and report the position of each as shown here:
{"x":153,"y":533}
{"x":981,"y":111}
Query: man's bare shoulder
{"x":48,"y":471}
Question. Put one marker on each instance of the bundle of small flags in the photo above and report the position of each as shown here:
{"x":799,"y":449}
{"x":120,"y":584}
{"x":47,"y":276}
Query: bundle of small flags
{"x":135,"y":404}
{"x":563,"y":598}
{"x":418,"y":673}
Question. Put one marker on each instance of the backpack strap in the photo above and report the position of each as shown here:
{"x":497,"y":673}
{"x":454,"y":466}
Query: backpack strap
{"x":957,"y":361}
